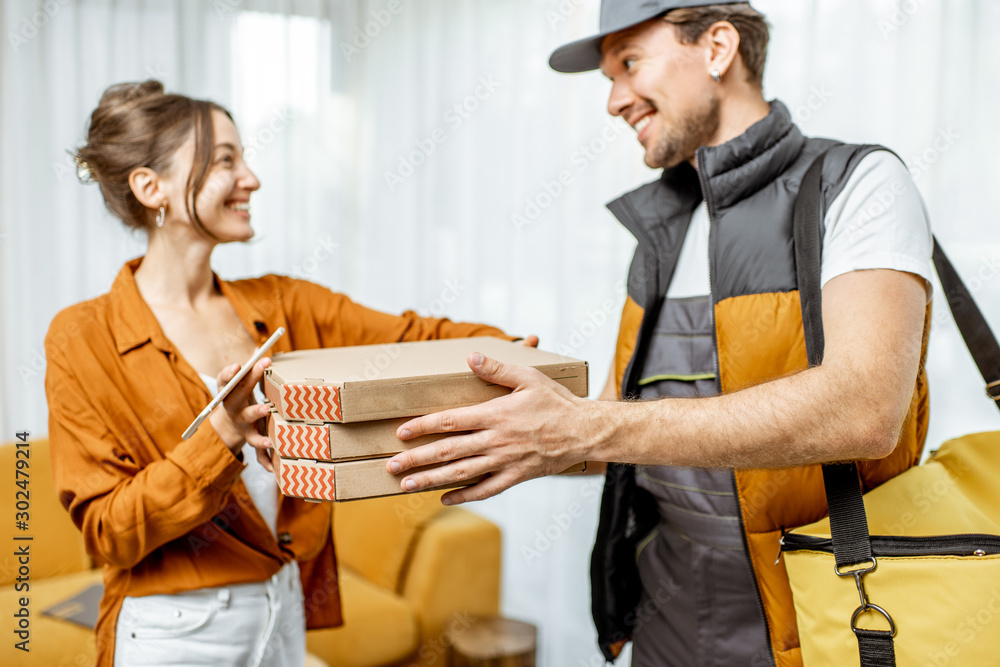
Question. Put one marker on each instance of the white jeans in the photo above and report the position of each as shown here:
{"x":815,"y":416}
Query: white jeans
{"x":246,"y":625}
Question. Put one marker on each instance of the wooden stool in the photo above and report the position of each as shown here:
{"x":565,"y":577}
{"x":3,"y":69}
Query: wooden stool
{"x":495,"y":642}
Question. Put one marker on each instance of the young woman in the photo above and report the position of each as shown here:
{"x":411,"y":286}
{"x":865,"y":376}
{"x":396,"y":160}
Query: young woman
{"x":204,"y":562}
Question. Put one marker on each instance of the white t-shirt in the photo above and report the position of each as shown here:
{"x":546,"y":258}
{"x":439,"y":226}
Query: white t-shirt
{"x":261,"y":485}
{"x":878,"y":221}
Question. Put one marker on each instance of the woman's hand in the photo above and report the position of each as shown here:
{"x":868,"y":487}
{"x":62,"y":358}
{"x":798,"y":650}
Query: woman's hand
{"x":236,"y":419}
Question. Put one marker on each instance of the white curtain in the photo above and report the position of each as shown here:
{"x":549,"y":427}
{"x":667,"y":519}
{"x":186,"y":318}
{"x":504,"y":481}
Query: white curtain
{"x":422,"y":154}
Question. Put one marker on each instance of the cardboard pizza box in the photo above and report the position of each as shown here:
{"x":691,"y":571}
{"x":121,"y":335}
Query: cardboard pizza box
{"x":339,"y":442}
{"x":347,"y":480}
{"x":350,"y":480}
{"x":373,"y":382}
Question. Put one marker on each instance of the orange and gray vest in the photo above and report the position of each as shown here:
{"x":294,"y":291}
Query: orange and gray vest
{"x":686,"y":560}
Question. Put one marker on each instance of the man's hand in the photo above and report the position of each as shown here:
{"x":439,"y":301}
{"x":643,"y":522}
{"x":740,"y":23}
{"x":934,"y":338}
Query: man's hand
{"x":539,"y":429}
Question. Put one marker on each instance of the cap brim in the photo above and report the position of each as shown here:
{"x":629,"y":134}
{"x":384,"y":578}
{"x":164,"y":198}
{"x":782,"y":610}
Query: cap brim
{"x":582,"y":55}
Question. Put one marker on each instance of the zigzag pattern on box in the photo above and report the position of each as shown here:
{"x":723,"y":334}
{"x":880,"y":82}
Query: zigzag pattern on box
{"x":307,"y":482}
{"x":302,"y":441}
{"x":311,"y":402}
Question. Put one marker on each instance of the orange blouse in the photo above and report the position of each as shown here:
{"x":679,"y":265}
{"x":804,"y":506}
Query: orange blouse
{"x":164,"y":515}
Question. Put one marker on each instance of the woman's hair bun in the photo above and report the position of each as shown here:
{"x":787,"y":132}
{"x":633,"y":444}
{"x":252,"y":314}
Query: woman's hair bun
{"x":121,"y":96}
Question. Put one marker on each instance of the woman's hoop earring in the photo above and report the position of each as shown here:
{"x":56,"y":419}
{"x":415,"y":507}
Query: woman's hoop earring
{"x":161,"y":216}
{"x":716,"y":76}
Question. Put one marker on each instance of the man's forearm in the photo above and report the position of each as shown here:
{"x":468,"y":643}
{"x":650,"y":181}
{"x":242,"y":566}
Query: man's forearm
{"x":815,"y":416}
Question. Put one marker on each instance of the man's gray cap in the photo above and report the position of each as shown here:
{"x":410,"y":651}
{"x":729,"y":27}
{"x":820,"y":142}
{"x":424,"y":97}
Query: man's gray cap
{"x":585,"y":54}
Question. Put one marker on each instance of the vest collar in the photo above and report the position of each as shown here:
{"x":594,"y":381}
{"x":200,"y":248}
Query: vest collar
{"x":732,"y":172}
{"x":735,"y":170}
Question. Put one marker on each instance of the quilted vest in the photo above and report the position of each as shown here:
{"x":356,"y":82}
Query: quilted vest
{"x":749,"y":185}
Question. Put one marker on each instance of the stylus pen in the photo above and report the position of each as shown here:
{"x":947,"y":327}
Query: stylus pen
{"x":221,"y":396}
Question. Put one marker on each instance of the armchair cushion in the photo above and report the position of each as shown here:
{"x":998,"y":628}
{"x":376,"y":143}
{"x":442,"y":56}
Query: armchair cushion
{"x":375,"y":537}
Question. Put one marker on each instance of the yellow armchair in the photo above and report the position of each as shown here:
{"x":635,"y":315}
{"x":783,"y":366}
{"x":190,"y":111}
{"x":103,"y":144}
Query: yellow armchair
{"x":412,"y":573}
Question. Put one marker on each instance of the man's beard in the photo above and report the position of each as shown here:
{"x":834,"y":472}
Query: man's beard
{"x":680,"y":142}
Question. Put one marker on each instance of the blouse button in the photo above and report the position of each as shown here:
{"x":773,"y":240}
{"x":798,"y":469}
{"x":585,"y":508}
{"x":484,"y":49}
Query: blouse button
{"x":285,"y":538}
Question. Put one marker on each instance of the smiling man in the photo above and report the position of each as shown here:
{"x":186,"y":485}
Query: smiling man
{"x":703,"y":481}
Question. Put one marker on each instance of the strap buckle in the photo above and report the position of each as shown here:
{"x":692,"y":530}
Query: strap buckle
{"x":866,"y":605}
{"x":872,"y":607}
{"x":993,"y":390}
{"x":858,"y":574}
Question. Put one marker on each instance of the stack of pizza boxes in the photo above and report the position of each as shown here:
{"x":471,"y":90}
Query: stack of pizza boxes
{"x":335,"y":411}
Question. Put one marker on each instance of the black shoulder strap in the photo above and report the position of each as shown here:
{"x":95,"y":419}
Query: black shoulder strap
{"x":852,"y":544}
{"x":976,"y":333}
{"x":807,"y":230}
{"x":848,"y":522}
